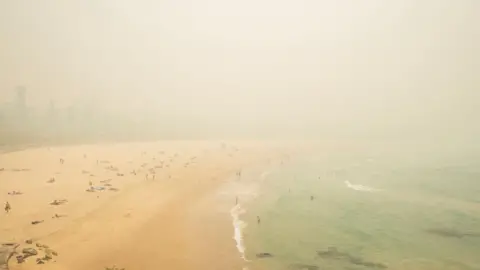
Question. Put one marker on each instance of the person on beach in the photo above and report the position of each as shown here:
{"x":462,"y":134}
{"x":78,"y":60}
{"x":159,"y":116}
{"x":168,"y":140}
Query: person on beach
{"x":258,"y":220}
{"x":311,"y":198}
{"x":7,"y":207}
{"x":62,"y":161}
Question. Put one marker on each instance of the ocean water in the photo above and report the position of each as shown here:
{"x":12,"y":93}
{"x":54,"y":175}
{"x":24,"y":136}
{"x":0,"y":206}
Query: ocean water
{"x":361,"y":212}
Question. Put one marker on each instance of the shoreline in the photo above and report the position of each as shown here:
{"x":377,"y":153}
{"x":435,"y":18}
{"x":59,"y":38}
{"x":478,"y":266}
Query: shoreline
{"x":245,"y":192}
{"x":145,"y":219}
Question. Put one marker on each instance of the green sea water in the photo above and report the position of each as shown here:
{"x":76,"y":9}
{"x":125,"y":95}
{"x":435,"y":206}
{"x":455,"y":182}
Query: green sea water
{"x":422,"y":215}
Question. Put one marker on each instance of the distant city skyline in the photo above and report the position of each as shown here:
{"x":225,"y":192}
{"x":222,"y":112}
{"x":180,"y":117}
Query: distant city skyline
{"x":353,"y":67}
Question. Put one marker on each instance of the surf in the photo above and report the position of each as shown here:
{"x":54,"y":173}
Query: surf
{"x":238,"y":227}
{"x":360,"y":187}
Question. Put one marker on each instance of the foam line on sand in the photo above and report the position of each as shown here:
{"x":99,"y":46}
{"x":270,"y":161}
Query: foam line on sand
{"x":238,"y":226}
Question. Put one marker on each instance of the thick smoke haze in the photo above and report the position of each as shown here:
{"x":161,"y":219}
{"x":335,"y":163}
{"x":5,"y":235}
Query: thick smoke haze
{"x":360,"y":69}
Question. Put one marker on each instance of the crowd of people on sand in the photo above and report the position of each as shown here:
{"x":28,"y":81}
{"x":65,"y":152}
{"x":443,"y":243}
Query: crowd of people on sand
{"x":103,"y":185}
{"x":150,"y":174}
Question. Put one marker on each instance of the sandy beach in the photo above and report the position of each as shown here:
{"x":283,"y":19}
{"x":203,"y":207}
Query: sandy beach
{"x":133,"y":206}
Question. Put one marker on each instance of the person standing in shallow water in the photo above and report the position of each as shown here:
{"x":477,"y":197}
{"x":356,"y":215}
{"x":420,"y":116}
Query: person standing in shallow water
{"x":258,"y":220}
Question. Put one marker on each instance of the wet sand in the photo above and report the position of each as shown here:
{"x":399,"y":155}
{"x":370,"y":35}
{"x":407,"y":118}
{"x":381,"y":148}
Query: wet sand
{"x":128,"y":217}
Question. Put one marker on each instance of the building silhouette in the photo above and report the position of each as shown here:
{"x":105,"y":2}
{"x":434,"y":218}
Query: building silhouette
{"x":52,"y":110}
{"x":21,"y":101}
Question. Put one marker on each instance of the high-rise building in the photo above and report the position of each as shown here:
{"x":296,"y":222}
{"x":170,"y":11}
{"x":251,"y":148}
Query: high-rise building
{"x":52,"y":110}
{"x":21,"y":100}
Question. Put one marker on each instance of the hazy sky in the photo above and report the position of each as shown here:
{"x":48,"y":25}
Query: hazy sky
{"x":363,"y":64}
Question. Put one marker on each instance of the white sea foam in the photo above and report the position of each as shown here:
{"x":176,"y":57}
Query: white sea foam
{"x":244,"y":192}
{"x":360,"y":187}
{"x":238,"y":226}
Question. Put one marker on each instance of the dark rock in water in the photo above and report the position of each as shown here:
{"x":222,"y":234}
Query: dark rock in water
{"x":450,"y":233}
{"x":264,"y":255}
{"x":29,"y":241}
{"x":333,"y":253}
{"x":29,"y":251}
{"x":361,"y":262}
{"x":35,"y":222}
{"x":445,"y":233}
{"x":301,"y":266}
{"x":373,"y":265}
{"x":6,"y":252}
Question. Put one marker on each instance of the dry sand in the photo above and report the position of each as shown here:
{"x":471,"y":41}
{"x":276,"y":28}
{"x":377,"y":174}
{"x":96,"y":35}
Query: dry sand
{"x":148,"y":223}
